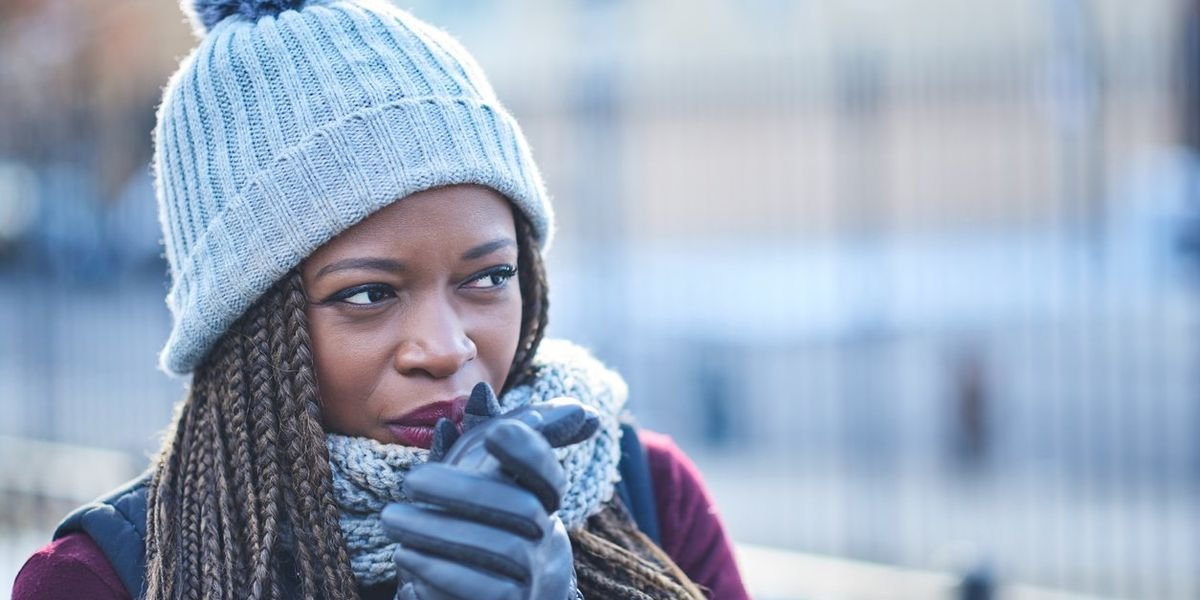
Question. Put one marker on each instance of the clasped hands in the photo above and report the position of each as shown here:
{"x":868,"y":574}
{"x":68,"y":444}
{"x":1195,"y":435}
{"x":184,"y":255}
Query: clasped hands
{"x":482,"y":520}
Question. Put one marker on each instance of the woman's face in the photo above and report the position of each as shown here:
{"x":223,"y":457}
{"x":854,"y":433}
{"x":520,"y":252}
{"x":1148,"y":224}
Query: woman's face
{"x":411,"y":308}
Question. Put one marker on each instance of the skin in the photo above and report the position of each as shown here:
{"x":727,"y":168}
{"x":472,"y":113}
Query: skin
{"x":414,"y":305}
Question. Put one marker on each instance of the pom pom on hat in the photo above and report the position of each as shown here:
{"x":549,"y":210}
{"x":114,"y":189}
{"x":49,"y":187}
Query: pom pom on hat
{"x":207,"y":13}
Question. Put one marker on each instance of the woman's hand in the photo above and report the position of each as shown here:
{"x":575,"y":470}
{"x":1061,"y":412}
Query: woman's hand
{"x":482,"y":522}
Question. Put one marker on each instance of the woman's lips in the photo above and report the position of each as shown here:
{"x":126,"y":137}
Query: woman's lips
{"x":415,"y":428}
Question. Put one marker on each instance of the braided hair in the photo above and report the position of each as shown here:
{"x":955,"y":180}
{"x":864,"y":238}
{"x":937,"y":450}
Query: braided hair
{"x":614,"y":559}
{"x":242,"y":501}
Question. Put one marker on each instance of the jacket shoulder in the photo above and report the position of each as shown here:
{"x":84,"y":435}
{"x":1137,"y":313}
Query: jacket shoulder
{"x":117,"y":524}
{"x":68,"y":568}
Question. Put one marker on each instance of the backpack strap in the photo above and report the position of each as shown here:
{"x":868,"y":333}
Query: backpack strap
{"x":116,"y":522}
{"x":636,"y":487}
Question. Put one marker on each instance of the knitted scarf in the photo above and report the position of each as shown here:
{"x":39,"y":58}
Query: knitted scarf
{"x":367,"y":475}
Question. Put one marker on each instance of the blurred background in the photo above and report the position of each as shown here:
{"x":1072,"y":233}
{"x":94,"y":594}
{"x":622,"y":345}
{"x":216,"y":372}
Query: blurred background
{"x":913,"y":282}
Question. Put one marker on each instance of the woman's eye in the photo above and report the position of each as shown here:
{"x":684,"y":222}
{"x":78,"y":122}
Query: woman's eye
{"x":365,"y":295}
{"x":493,"y":278}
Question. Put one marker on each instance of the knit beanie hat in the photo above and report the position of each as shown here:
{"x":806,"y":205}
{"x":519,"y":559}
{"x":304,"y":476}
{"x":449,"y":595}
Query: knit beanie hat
{"x":293,"y":120}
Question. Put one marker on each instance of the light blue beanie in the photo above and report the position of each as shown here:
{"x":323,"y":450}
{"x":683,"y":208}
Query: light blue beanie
{"x":293,"y":120}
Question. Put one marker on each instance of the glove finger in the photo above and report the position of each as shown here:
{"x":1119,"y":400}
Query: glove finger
{"x":478,"y":498}
{"x":566,"y":421}
{"x":441,"y":578}
{"x":528,"y":414}
{"x":434,"y":533}
{"x":528,"y":458}
{"x":468,"y":453}
{"x":481,"y":406}
{"x":444,"y":436}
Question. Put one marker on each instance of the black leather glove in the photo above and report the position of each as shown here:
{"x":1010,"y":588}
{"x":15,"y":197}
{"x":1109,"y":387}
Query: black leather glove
{"x":481,"y":524}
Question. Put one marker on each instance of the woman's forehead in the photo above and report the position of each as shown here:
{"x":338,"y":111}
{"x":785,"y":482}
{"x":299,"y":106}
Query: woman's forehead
{"x":448,"y":217}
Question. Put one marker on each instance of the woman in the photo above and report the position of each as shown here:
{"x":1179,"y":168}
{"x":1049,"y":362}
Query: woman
{"x":354,"y":226}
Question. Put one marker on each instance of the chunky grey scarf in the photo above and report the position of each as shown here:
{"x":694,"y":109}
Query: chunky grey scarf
{"x":367,"y":475}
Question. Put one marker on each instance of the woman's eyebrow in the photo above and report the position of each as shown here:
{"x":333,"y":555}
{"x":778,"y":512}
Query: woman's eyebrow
{"x":487,"y":248}
{"x":370,"y":263}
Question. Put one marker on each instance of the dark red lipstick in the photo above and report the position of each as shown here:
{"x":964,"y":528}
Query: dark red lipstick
{"x":415,"y":428}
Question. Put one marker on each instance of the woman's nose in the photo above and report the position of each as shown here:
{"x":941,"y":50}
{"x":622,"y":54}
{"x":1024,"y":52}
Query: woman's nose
{"x":434,"y":342}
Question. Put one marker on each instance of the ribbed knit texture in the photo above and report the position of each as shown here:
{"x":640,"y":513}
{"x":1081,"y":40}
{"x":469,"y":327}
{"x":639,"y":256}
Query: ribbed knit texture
{"x":283,"y":129}
{"x":367,"y":475}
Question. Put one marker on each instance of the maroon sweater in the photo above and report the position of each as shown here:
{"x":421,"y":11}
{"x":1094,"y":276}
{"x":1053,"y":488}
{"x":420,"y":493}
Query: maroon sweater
{"x":74,"y":567}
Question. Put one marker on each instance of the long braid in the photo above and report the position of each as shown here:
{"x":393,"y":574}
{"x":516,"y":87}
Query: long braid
{"x":263,"y":581}
{"x":230,"y":521}
{"x":237,"y":463}
{"x":290,"y":445}
{"x":613,"y":559}
{"x":189,"y":534}
{"x":339,"y":580}
{"x":245,"y":463}
{"x":210,"y":538}
{"x":311,"y":475}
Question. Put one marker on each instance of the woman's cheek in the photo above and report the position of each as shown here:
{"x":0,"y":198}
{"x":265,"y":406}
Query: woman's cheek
{"x":497,"y":343}
{"x":341,"y":370}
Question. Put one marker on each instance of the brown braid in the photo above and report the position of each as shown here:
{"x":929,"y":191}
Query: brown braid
{"x":263,"y":583}
{"x":244,"y":478}
{"x":314,"y":468}
{"x":230,"y":551}
{"x":614,"y":559}
{"x":291,"y":447}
